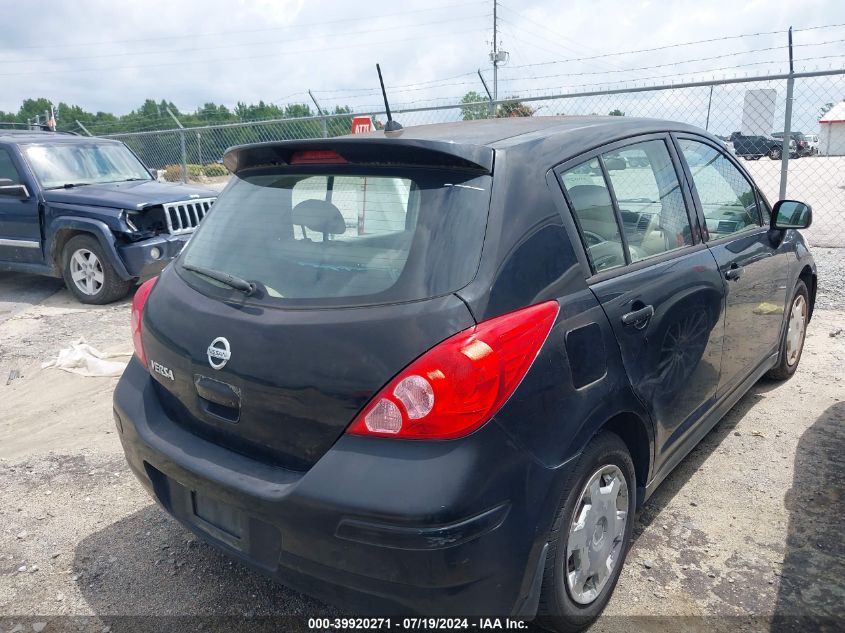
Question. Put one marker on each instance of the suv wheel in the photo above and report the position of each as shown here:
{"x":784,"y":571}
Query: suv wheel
{"x":590,"y":536}
{"x":792,"y":343}
{"x":775,"y":153}
{"x":88,"y":274}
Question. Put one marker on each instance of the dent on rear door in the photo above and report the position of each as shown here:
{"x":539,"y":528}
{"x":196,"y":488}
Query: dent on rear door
{"x":672,"y":359}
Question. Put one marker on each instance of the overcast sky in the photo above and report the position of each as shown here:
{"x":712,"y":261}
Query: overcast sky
{"x":110,"y":55}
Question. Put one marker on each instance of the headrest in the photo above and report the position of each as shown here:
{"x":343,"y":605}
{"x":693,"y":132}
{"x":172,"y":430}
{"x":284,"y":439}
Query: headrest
{"x":586,"y":196}
{"x":319,"y":216}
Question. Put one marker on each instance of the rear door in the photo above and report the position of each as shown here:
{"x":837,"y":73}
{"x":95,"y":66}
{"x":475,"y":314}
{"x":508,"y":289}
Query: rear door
{"x":20,"y":226}
{"x":657,"y":282}
{"x":754,"y":271}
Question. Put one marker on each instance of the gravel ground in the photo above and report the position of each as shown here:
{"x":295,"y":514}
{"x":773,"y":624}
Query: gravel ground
{"x":748,"y":528}
{"x":830,"y":264}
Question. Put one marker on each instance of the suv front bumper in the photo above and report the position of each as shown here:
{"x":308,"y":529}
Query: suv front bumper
{"x":375,"y":526}
{"x":138,"y":257}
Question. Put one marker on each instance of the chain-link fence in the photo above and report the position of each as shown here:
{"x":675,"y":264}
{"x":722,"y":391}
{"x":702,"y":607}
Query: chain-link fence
{"x":751,"y":114}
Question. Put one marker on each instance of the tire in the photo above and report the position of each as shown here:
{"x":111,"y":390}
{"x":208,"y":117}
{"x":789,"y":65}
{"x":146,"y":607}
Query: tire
{"x":561,"y":607}
{"x":775,"y":153}
{"x":792,"y":342}
{"x":88,"y":274}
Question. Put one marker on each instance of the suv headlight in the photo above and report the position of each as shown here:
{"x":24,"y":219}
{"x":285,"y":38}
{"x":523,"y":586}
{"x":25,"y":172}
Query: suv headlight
{"x":128,"y":220}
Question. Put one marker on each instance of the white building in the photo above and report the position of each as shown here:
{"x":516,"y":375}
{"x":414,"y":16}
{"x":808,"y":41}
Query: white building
{"x":832,"y":133}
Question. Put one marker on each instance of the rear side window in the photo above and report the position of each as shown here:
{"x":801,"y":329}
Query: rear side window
{"x":644,"y":188}
{"x":727,"y":198}
{"x":593,"y":207}
{"x":345,"y":238}
{"x":651,"y":205}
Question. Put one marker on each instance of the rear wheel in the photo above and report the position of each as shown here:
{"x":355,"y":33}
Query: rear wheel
{"x":775,"y":153}
{"x":792,"y":343}
{"x":590,"y":536}
{"x":88,"y":274}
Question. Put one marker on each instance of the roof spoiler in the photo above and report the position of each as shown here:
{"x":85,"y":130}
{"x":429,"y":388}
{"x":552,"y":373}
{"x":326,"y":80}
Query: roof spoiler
{"x":365,"y":151}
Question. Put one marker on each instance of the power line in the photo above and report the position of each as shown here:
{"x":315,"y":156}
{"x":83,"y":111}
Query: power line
{"x":669,"y":46}
{"x":535,"y":34}
{"x":606,"y":72}
{"x":278,"y":28}
{"x":366,"y":91}
{"x":235,"y":59}
{"x":555,"y":34}
{"x":676,"y":75}
{"x":665,"y":65}
{"x":218,"y":47}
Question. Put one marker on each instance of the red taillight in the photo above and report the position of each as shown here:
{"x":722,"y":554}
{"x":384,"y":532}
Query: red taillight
{"x":138,"y":302}
{"x":459,"y":384}
{"x":317,"y":157}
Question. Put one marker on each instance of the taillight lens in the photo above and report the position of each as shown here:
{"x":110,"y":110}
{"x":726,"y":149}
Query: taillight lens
{"x":458,"y":385}
{"x":138,"y":302}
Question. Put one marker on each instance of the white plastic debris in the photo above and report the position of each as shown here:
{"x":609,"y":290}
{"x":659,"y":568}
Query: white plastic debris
{"x":80,"y":358}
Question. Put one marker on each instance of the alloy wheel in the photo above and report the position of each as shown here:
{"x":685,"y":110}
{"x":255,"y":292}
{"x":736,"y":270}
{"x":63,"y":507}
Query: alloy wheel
{"x":596,"y":534}
{"x":86,"y":270}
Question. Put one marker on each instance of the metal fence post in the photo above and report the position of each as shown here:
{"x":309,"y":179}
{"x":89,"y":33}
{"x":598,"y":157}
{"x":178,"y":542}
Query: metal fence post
{"x":491,"y":107}
{"x":182,"y":143}
{"x":83,"y":128}
{"x":787,"y":125}
{"x":323,"y":122}
{"x":787,"y":129}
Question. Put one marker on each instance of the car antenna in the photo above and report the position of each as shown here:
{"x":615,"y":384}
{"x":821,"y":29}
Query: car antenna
{"x":392,"y":125}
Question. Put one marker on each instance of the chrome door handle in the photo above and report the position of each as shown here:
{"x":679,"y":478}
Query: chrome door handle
{"x":733,"y":273}
{"x":638,"y":318}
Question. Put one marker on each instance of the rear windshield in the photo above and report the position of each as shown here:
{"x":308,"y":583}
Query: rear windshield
{"x":344,"y":237}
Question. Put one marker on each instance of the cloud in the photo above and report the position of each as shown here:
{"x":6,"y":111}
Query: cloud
{"x":109,"y":56}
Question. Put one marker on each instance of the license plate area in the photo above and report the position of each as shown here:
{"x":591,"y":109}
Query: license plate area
{"x":219,"y":519}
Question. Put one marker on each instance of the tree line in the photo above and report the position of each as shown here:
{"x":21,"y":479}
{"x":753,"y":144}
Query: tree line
{"x":153,"y":115}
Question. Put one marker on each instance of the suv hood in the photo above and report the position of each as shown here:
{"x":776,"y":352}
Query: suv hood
{"x":128,"y":195}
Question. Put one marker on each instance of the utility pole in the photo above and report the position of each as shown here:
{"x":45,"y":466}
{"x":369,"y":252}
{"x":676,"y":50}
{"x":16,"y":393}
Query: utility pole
{"x":495,"y":53}
{"x":496,"y":56}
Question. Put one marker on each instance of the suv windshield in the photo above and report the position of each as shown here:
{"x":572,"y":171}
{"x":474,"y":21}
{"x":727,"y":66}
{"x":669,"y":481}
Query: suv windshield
{"x":64,"y":164}
{"x":344,"y":237}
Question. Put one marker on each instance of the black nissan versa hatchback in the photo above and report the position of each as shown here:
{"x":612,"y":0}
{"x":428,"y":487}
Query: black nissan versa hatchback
{"x":437,"y":370}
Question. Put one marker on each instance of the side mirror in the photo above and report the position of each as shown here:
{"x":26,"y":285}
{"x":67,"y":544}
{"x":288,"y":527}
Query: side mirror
{"x":791,"y":214}
{"x":10,"y":189}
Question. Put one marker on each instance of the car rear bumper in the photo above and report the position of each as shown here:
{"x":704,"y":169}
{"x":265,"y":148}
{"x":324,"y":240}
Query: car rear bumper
{"x":375,"y":526}
{"x":138,"y":256}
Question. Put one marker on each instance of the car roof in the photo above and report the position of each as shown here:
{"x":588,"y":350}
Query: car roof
{"x":549,"y":140}
{"x":515,"y":131}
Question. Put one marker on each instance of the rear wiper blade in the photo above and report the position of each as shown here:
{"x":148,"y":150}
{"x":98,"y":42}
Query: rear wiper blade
{"x":230,"y":280}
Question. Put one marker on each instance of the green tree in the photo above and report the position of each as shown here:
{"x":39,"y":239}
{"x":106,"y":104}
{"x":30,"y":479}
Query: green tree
{"x":616,"y":112}
{"x":476,"y":106}
{"x":514,"y":109}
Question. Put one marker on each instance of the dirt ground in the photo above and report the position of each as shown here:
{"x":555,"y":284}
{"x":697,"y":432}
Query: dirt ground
{"x":748,"y":528}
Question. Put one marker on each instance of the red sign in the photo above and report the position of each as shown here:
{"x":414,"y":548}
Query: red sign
{"x":362,"y":125}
